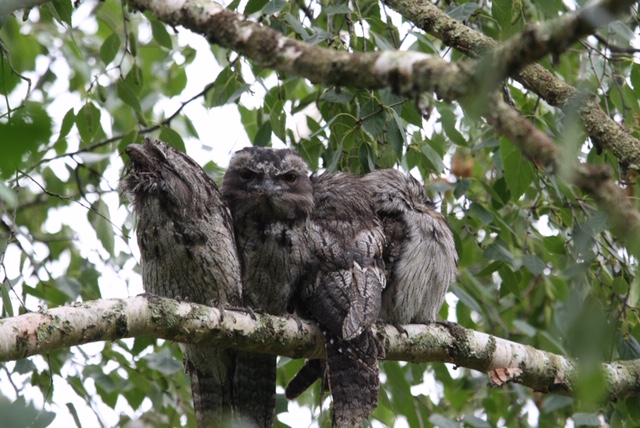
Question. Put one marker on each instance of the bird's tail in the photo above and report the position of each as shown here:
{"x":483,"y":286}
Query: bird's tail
{"x":211,"y":371}
{"x":254,"y":389}
{"x":354,"y":378}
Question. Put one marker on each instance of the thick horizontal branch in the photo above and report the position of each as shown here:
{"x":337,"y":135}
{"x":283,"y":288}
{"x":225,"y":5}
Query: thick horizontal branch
{"x":149,"y":316}
{"x":408,"y":73}
{"x":601,"y":128}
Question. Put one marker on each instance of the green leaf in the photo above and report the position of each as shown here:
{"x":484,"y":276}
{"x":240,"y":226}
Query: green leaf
{"x":622,"y":30}
{"x":20,"y":414}
{"x":586,"y":419}
{"x":69,"y":286}
{"x":7,"y":306}
{"x":161,"y":35}
{"x":127,"y":95}
{"x":628,"y":347}
{"x":135,"y":81}
{"x":21,"y":135}
{"x":555,"y":244}
{"x":373,"y":117}
{"x":397,"y":135}
{"x":481,"y":213}
{"x":109,"y":48}
{"x":64,"y":9}
{"x":337,"y":9}
{"x":8,"y":196}
{"x":442,"y":421}
{"x":254,"y":6}
{"x":433,"y":157}
{"x":163,"y":362}
{"x":296,"y":25}
{"x":518,"y":172}
{"x":585,"y":233}
{"x":24,"y":366}
{"x":411,"y":115}
{"x":333,"y":96}
{"x":516,"y":12}
{"x":463,"y":12}
{"x":88,"y":121}
{"x":534,"y":264}
{"x":553,"y":403}
{"x":263,"y":136}
{"x":227,"y":88}
{"x":67,"y":123}
{"x":74,"y":414}
{"x":466,"y":298}
{"x":448,"y":120}
{"x":496,"y":251}
{"x":382,"y":43}
{"x":172,"y":138}
{"x":510,"y":281}
{"x":100,"y":220}
{"x":620,"y":285}
{"x":525,"y":327}
{"x":318,"y":36}
{"x":503,"y":12}
{"x":274,"y":6}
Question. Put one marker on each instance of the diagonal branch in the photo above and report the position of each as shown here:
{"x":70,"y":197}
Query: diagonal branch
{"x":408,"y":73}
{"x":553,"y":36}
{"x":594,"y":180}
{"x":149,"y":316}
{"x":535,"y":77}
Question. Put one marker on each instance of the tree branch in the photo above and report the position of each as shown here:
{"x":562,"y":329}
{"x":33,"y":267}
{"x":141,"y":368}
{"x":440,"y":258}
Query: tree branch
{"x":594,"y":180}
{"x":150,"y":316}
{"x":408,"y":73}
{"x":609,"y":134}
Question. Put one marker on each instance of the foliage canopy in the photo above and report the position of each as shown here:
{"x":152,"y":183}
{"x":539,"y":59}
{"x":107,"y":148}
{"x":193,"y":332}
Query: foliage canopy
{"x":540,"y":263}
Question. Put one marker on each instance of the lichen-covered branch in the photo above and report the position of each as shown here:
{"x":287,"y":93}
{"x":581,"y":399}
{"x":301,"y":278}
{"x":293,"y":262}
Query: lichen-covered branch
{"x":149,"y":316}
{"x":553,"y":36}
{"x":594,"y":180}
{"x":609,"y":134}
{"x":406,"y":72}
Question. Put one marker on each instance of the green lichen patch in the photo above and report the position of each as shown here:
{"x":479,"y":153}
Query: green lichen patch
{"x":164,"y":312}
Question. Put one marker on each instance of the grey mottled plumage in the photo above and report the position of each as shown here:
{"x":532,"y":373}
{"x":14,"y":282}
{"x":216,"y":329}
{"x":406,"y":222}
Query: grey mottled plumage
{"x":342,"y":292}
{"x":188,"y":252}
{"x":270,"y":197}
{"x":420,"y":254}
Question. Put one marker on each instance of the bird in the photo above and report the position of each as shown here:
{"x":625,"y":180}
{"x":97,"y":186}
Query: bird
{"x":188,"y":252}
{"x":420,"y":254}
{"x":341,"y":290}
{"x":270,"y":197}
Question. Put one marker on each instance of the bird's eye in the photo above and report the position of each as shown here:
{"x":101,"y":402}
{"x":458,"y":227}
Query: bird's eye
{"x":246,"y":174}
{"x":290,"y":177}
